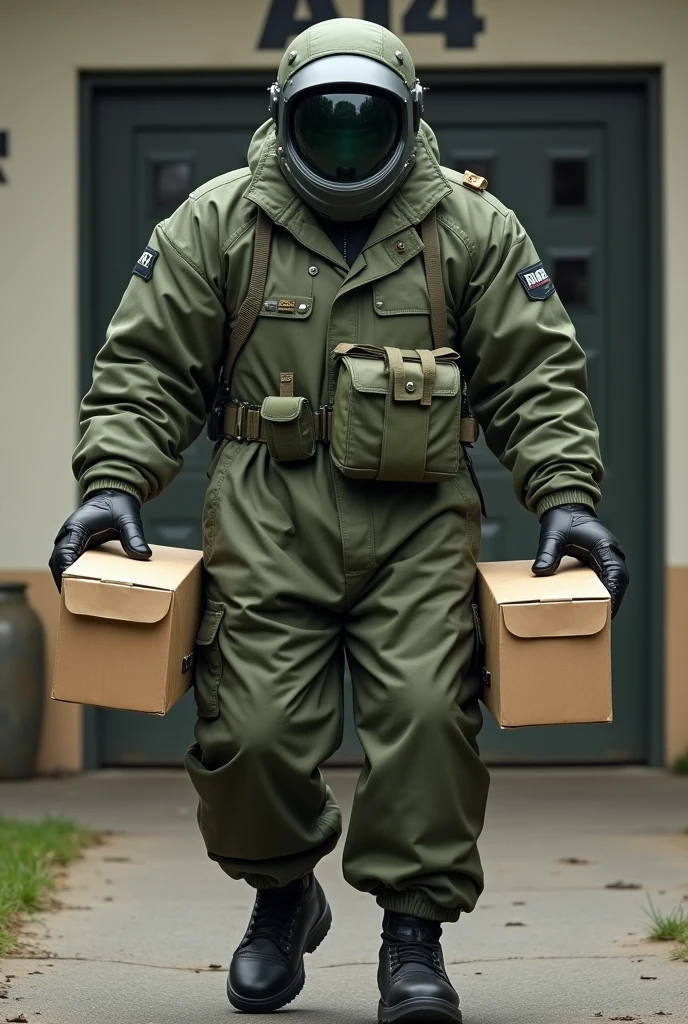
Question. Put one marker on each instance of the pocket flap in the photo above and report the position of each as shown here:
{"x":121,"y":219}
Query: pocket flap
{"x":210,"y":623}
{"x":276,"y":409}
{"x":556,"y":618}
{"x":115,"y":600}
{"x":371,"y":375}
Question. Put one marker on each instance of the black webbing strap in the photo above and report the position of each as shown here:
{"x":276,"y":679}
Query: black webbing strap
{"x":433,"y":274}
{"x":250,"y":307}
{"x":438,"y":308}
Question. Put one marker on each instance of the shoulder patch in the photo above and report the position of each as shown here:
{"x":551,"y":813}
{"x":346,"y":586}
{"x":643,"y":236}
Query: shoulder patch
{"x":145,"y":264}
{"x":537,"y":284}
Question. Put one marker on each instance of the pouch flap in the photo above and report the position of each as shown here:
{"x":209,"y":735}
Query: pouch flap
{"x":210,"y":623}
{"x":556,"y":618}
{"x":287,"y":307}
{"x":115,"y":600}
{"x":276,"y":409}
{"x":372,"y":375}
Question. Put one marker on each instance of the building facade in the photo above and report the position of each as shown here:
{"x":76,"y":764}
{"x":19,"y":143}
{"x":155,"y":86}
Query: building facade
{"x":111,"y":113}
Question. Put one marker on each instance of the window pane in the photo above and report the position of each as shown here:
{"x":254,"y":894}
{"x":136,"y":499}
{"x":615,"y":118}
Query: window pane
{"x":570,"y":182}
{"x":571,"y":281}
{"x":171,"y":183}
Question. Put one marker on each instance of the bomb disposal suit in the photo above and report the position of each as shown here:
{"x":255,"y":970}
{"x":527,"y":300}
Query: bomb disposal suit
{"x":365,"y":289}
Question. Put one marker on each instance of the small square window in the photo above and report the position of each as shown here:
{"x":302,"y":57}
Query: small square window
{"x":570,"y":182}
{"x":171,"y":183}
{"x":571,"y":279}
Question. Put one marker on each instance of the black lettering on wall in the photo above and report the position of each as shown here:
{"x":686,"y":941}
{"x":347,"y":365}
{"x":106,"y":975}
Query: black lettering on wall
{"x":281,"y":23}
{"x":460,"y":26}
{"x":4,"y":151}
{"x":376,"y":11}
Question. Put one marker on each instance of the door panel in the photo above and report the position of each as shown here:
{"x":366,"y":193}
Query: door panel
{"x":568,"y":160}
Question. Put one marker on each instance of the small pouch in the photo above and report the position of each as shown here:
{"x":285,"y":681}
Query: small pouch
{"x":208,"y":672}
{"x":397,"y":414}
{"x":288,"y":426}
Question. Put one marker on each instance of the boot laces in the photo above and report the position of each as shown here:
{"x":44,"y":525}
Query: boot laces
{"x":425,"y":953}
{"x":272,"y":918}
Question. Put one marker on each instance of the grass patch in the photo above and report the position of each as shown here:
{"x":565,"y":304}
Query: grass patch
{"x":681,"y":764}
{"x":31,"y":853}
{"x":671,"y":927}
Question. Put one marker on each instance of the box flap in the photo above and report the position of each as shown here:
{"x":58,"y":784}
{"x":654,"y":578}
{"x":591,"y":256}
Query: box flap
{"x":556,"y":618}
{"x":513,"y":582}
{"x":164,"y":571}
{"x":115,"y":600}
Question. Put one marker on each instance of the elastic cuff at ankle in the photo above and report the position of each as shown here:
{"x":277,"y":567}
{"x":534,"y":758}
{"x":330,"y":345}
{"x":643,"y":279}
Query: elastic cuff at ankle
{"x":260,"y":881}
{"x":416,"y":903}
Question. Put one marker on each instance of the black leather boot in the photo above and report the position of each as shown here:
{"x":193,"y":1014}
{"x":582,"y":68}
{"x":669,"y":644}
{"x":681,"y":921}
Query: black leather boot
{"x":414,"y":986}
{"x":267,"y":969}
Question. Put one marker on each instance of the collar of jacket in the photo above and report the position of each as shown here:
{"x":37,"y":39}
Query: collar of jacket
{"x":422,"y":190}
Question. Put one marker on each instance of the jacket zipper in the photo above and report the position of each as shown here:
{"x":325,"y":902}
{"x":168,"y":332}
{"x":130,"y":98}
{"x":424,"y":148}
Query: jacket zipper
{"x":344,"y":253}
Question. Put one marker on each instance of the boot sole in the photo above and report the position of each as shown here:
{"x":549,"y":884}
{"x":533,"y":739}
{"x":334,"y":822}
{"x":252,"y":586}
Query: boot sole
{"x":420,"y":1011}
{"x":316,"y":935}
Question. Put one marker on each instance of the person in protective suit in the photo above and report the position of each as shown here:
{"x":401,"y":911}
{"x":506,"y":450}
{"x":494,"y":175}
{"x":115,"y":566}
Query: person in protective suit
{"x":331,"y":229}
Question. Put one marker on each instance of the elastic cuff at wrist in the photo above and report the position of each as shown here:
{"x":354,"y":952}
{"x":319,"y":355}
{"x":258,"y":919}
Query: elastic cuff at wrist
{"x":570,"y":496}
{"x":109,"y":484}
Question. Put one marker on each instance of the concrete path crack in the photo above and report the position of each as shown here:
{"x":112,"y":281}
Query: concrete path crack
{"x":325,"y":967}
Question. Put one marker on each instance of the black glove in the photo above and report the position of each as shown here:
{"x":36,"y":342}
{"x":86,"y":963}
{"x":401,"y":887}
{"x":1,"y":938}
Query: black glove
{"x":575,"y":530}
{"x":104,"y":515}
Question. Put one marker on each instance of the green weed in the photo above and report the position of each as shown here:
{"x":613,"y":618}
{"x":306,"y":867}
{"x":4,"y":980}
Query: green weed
{"x":30,"y":853}
{"x":671,"y":927}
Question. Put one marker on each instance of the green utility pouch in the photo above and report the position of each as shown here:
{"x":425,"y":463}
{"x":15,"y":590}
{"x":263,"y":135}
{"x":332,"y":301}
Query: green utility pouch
{"x":397,"y":414}
{"x":288,"y":426}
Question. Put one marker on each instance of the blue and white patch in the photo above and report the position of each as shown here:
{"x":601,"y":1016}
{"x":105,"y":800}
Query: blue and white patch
{"x":537,"y":284}
{"x":145,"y":264}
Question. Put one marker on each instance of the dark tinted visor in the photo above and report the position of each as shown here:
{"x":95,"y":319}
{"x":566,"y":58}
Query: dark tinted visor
{"x":346,"y":136}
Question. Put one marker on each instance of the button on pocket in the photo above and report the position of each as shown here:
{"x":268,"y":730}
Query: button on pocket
{"x":208,"y":661}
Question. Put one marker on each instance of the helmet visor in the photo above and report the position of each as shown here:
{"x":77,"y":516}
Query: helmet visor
{"x":346,"y":136}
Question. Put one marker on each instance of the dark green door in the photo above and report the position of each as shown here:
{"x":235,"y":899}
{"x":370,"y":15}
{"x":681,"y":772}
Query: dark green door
{"x":568,"y":159}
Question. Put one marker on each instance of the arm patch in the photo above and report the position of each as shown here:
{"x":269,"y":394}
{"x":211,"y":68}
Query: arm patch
{"x":537,"y":284}
{"x":145,"y":264}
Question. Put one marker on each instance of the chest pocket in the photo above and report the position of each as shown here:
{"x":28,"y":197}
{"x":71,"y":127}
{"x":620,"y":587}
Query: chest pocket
{"x":401,"y":309}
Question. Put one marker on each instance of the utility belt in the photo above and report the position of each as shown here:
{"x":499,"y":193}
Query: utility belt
{"x":398,"y":415}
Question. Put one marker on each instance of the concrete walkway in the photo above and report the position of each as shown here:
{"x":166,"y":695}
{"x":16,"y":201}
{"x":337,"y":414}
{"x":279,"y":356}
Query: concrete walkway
{"x":151,"y":923}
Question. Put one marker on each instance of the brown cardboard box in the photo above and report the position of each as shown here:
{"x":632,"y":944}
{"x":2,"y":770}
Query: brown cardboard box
{"x":127,"y":629}
{"x":547,"y":644}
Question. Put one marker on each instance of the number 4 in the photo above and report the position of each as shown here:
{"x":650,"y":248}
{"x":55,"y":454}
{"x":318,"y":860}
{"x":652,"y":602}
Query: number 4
{"x":460,"y":26}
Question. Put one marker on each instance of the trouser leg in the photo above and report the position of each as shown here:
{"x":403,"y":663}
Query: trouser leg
{"x":420,"y":802}
{"x":269,"y":684}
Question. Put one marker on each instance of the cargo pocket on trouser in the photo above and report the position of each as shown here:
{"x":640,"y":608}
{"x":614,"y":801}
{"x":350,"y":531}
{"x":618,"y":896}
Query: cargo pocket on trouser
{"x":208,"y":661}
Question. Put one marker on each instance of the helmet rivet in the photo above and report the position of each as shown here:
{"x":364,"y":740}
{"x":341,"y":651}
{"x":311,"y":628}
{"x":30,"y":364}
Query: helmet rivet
{"x":313,"y":271}
{"x":399,"y":56}
{"x":292,"y":56}
{"x":401,"y":247}
{"x":410,"y":386}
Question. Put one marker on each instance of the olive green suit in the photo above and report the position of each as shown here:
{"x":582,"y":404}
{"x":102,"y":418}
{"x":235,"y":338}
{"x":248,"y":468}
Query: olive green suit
{"x":303,"y":562}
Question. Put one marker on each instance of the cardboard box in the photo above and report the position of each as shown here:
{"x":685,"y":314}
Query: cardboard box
{"x":547,"y":644}
{"x":127,"y":629}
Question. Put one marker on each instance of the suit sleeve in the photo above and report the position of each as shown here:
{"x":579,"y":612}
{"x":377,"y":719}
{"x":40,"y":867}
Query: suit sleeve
{"x":527,"y":378}
{"x":154,"y":379}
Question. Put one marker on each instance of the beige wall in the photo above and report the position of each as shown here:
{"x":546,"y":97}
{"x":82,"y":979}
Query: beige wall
{"x":44,"y":44}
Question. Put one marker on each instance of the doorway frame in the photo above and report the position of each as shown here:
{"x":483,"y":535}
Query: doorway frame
{"x":93,"y":84}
